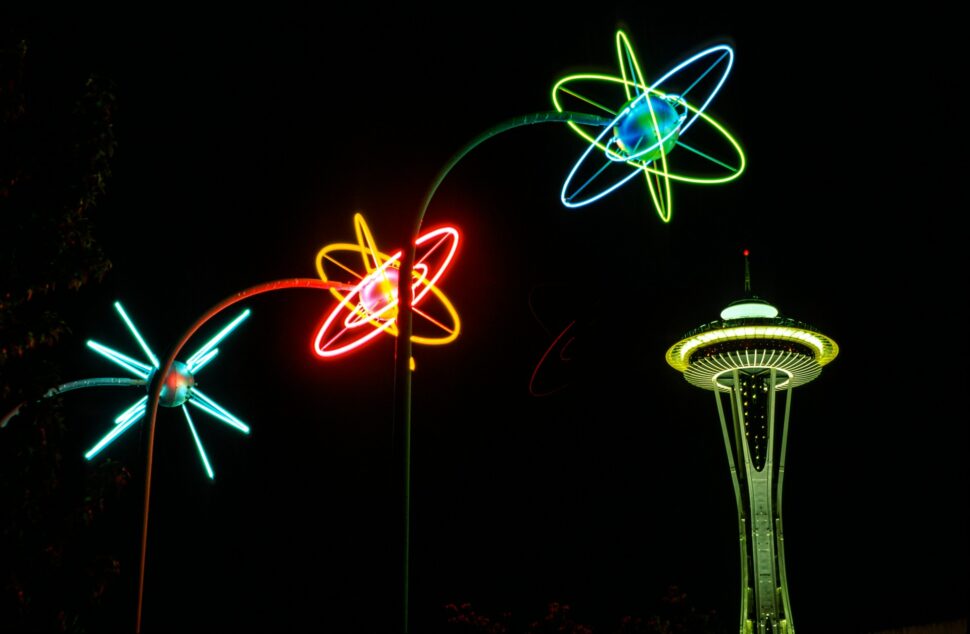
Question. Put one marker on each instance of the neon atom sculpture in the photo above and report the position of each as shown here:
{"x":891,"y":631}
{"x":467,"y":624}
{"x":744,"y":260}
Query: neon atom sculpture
{"x":371,"y":307}
{"x":751,"y":354}
{"x":647,"y":123}
{"x":178,"y":386}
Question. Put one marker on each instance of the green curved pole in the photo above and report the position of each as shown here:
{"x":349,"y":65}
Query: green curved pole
{"x":402,"y":352}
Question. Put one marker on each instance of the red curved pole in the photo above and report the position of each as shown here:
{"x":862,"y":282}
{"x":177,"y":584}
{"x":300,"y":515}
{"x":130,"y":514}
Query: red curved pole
{"x":156,"y":391}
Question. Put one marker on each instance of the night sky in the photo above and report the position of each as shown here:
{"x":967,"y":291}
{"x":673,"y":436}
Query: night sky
{"x":247,"y":143}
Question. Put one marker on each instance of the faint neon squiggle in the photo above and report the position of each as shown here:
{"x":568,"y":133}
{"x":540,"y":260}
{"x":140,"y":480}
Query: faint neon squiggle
{"x":545,"y":355}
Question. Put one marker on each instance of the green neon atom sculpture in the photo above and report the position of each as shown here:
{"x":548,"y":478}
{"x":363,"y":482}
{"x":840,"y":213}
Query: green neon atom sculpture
{"x":648,"y":124}
{"x":178,"y":386}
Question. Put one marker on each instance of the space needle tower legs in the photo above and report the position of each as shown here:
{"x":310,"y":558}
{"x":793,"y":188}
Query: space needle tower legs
{"x":753,"y":443}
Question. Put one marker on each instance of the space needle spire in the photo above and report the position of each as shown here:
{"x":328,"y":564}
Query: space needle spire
{"x":747,"y":274}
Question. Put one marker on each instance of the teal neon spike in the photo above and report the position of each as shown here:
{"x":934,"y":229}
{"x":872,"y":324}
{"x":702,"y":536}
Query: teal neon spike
{"x":201,"y":362}
{"x":177,"y":387}
{"x":141,"y":342}
{"x":215,"y":410}
{"x":198,"y":444}
{"x":131,"y":411}
{"x":222,"y":334}
{"x":112,"y":435}
{"x":137,"y":368}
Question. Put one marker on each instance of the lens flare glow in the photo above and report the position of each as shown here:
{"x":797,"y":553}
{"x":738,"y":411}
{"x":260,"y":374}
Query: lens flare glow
{"x":648,"y":124}
{"x":370,"y":308}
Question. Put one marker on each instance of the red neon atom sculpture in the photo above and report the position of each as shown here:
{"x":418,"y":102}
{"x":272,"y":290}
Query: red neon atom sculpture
{"x":370,"y":308}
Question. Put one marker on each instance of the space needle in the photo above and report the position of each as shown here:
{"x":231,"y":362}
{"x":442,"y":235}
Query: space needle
{"x":750,"y":355}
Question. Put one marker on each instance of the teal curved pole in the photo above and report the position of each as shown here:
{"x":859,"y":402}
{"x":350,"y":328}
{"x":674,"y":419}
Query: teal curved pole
{"x":70,"y":386}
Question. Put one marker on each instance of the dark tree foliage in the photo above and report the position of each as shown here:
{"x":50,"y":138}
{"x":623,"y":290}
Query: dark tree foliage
{"x":58,"y":515}
{"x":54,"y":165}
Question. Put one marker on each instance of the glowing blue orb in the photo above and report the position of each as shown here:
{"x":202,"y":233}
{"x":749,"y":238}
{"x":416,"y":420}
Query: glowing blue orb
{"x":650,"y":124}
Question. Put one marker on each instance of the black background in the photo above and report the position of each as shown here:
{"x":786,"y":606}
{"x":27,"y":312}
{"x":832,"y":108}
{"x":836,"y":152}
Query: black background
{"x":247,"y":142}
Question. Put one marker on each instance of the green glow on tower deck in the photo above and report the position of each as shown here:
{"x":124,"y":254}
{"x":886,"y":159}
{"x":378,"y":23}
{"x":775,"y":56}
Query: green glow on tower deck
{"x":825,"y":349}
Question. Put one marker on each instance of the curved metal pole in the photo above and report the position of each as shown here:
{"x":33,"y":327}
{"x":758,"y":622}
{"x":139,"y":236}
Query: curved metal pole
{"x":156,"y":390}
{"x":71,"y":386}
{"x":402,"y":351}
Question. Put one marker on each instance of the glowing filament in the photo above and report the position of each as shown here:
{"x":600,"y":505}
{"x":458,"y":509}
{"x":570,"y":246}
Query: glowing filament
{"x":116,"y":431}
{"x":137,"y":368}
{"x":133,"y":410}
{"x":201,"y":362}
{"x":213,"y":409}
{"x":212,"y":343}
{"x":141,"y":342}
{"x":198,"y":445}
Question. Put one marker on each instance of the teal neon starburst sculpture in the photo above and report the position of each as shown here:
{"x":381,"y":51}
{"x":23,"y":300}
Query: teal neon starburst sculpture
{"x":178,"y":386}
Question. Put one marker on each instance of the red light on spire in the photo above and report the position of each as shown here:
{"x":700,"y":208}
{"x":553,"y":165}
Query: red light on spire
{"x":746,"y":253}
